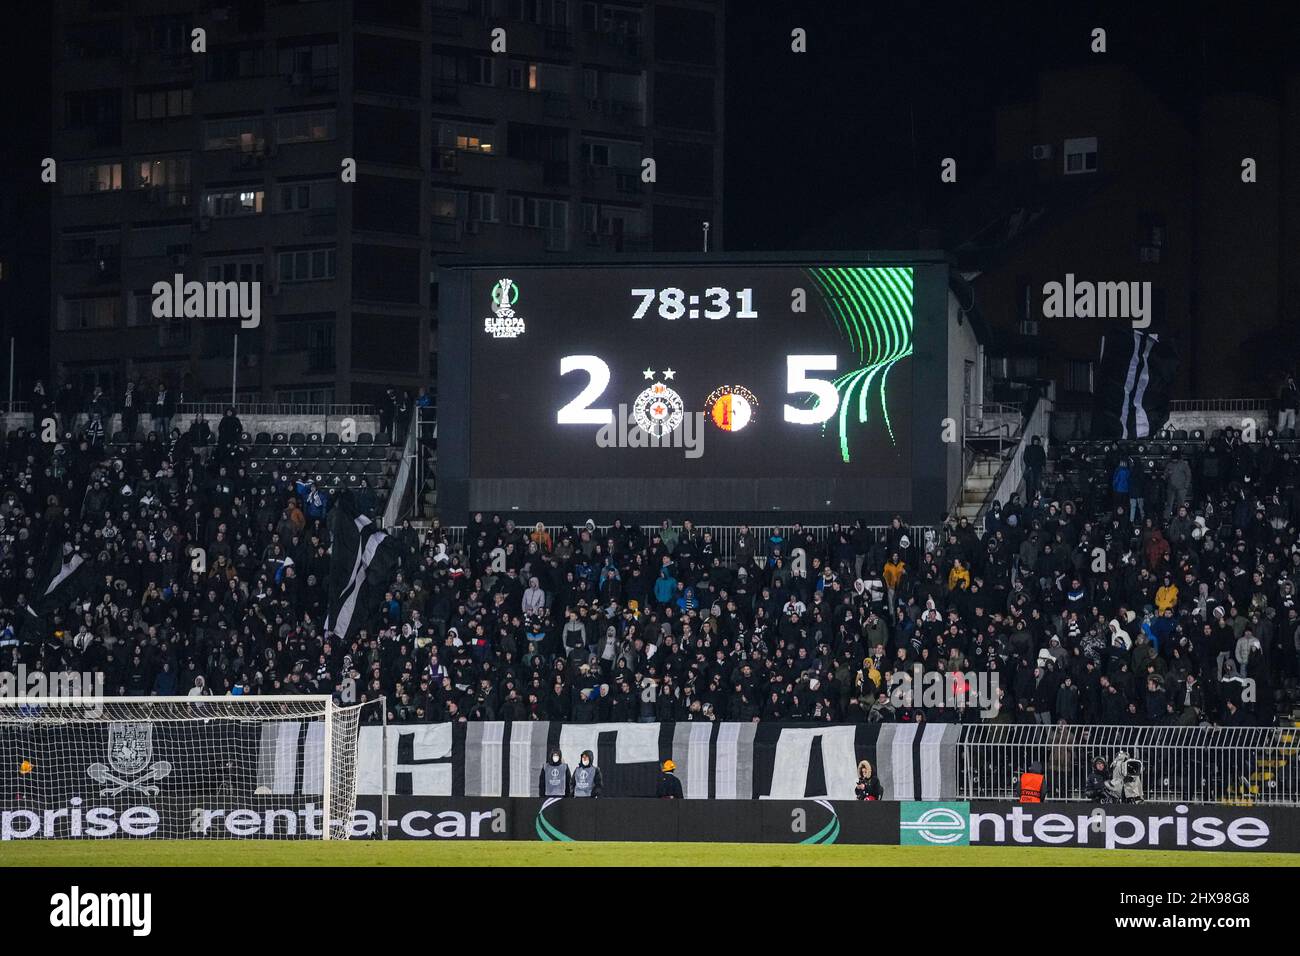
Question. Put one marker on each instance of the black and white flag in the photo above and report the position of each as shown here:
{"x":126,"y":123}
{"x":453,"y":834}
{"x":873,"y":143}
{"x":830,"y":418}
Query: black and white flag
{"x":363,"y":560}
{"x":1134,"y":378}
{"x":63,"y":576}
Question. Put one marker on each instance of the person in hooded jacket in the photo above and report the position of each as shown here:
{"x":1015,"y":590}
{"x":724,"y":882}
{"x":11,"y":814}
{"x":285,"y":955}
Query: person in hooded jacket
{"x":587,"y":781}
{"x":868,"y":786}
{"x":555,"y":780}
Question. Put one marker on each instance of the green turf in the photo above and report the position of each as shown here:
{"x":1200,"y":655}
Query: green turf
{"x":510,"y":853}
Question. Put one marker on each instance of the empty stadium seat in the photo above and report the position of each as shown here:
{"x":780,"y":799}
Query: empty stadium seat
{"x":332,"y":438}
{"x":365,"y":438}
{"x":262,"y":439}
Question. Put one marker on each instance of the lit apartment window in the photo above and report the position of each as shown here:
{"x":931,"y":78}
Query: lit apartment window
{"x":86,"y":178}
{"x":1080,"y":155}
{"x":470,"y":137}
{"x":226,"y":203}
{"x":314,"y":127}
{"x":537,"y":77}
{"x":242,"y":133}
{"x":158,"y":172}
{"x":306,"y":265}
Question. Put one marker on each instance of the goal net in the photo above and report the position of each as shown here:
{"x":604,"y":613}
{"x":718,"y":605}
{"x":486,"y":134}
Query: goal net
{"x":178,"y":767}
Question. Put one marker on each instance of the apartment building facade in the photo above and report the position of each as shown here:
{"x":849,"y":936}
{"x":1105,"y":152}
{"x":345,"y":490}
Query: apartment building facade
{"x":474,"y":127}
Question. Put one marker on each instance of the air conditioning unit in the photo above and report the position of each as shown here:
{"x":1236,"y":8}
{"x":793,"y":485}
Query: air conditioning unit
{"x":1042,"y":151}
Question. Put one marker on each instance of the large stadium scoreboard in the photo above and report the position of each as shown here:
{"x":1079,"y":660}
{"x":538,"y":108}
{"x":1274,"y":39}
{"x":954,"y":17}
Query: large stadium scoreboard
{"x":718,"y":388}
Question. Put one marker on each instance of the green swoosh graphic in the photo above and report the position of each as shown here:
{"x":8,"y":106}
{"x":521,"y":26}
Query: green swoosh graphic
{"x":546,"y":831}
{"x":872,"y":306}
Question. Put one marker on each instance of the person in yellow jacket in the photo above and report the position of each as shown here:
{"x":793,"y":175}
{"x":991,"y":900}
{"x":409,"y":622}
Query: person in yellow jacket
{"x":1166,"y":595}
{"x":892,"y":575}
{"x":959,"y":576}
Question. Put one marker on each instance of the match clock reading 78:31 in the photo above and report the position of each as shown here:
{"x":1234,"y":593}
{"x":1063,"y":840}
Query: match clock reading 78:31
{"x":676,"y":304}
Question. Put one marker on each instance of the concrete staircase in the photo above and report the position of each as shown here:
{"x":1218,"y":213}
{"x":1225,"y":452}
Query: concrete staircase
{"x":979,"y":482}
{"x":1269,"y":768}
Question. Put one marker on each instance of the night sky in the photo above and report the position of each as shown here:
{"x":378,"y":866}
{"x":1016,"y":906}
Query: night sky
{"x":855,"y":128}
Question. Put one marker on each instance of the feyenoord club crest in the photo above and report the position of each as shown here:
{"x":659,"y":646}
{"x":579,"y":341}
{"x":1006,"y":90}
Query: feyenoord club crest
{"x":130,"y":747}
{"x":658,"y":410}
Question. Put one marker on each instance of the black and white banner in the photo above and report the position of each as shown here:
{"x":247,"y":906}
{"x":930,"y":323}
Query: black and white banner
{"x":725,"y":761}
{"x":362,"y":558}
{"x":1135,"y":376}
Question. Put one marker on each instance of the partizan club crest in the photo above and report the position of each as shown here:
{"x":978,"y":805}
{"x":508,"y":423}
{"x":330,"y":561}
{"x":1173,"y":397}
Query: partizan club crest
{"x":659,"y":409}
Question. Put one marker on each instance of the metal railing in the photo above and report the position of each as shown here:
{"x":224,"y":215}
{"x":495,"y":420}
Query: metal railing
{"x":1220,"y":404}
{"x":1193,"y":764}
{"x":275,"y":408}
{"x":724,"y":536}
{"x":1012,"y":473}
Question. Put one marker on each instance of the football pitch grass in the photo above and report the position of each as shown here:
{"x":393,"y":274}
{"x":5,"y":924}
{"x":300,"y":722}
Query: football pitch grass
{"x":503,"y":853}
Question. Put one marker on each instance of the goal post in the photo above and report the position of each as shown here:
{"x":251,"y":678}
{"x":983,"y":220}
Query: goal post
{"x":269,"y":767}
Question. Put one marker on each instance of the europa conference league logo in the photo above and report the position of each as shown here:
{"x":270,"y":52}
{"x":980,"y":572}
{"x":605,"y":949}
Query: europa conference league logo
{"x":504,"y":324}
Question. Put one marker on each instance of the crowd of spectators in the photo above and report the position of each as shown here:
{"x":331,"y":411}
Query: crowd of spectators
{"x":1165,"y":595}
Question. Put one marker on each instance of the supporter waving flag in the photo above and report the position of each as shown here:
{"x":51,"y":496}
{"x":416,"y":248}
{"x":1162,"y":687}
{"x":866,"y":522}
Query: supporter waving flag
{"x":363,"y":559}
